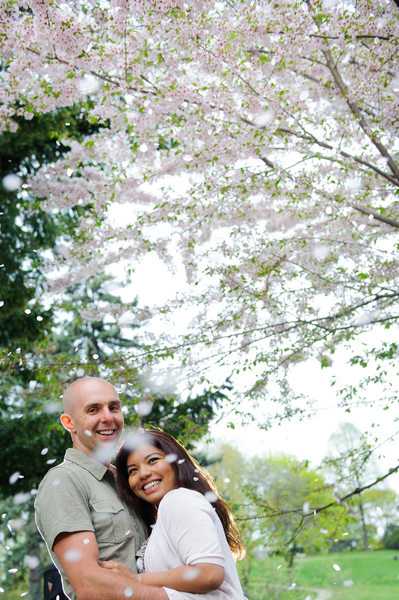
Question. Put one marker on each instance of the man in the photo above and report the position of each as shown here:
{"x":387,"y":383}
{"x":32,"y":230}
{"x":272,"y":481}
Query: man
{"x":78,"y":511}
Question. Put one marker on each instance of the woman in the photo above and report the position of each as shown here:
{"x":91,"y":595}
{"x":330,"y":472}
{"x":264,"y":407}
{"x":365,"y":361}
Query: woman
{"x":190,"y":550}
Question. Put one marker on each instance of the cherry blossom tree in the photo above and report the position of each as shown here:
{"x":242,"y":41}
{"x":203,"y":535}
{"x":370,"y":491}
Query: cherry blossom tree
{"x":254,"y":143}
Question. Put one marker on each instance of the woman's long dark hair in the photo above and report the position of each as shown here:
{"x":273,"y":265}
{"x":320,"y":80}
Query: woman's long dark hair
{"x":189,"y":474}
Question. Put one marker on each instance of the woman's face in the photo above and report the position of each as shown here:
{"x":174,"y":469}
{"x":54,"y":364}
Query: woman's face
{"x":150,"y":476}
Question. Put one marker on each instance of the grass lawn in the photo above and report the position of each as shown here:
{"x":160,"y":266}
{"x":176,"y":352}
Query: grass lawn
{"x":347,"y":575}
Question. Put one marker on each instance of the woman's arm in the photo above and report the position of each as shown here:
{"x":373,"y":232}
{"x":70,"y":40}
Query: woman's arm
{"x":197,"y":579}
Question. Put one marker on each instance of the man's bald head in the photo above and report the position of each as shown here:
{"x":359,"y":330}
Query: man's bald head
{"x":92,"y":413}
{"x":75,"y":391}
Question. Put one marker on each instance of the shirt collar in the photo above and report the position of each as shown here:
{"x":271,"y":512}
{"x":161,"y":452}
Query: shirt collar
{"x":87,"y":462}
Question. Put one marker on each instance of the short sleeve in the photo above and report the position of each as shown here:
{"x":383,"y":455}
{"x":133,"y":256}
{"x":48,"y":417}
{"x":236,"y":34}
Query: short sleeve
{"x":61,"y":506}
{"x":190,"y":520}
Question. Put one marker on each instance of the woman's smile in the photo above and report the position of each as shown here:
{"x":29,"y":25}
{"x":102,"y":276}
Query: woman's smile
{"x":151,"y":476}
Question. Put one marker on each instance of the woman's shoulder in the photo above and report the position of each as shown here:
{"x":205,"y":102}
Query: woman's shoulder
{"x":182,"y":498}
{"x":181,"y":507}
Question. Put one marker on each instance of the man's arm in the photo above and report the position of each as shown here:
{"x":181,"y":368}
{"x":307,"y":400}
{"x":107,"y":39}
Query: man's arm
{"x":197,"y":578}
{"x":78,"y":554}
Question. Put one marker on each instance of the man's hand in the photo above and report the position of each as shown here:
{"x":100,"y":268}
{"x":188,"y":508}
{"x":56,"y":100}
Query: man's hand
{"x":118,"y":567}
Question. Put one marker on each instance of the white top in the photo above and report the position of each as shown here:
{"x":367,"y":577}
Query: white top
{"x":187,"y":532}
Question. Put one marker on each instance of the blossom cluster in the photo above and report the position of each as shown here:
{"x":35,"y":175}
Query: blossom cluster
{"x":258,"y":140}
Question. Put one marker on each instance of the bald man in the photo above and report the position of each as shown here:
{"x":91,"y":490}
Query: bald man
{"x":78,"y":512}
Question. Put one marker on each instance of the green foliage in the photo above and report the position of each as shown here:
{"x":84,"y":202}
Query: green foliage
{"x":391,"y":537}
{"x":27,"y":230}
{"x":30,"y":444}
{"x":289,"y":496}
{"x":97,"y":338}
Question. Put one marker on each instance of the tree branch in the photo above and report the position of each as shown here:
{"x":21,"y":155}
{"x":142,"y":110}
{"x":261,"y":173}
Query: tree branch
{"x":317,"y":509}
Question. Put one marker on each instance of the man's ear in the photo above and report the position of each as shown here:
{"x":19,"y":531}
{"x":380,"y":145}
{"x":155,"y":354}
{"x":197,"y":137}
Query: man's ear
{"x":67,"y":422}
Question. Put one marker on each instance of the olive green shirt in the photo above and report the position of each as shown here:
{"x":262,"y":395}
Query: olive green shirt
{"x":80,"y":495}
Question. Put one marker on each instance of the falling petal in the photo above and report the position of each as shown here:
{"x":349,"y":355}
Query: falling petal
{"x":171,"y":458}
{"x":86,"y":541}
{"x":135,"y":440}
{"x":263,"y":118}
{"x":11,"y":182}
{"x":191,"y":574}
{"x":73,"y":555}
{"x":13,"y":570}
{"x":211,"y":497}
{"x":14,"y":477}
{"x":88,"y":84}
{"x":336,"y":567}
{"x":181,"y":461}
{"x":51,"y":408}
{"x":44,"y":451}
{"x":88,"y":433}
{"x":305,"y":508}
{"x":21,"y":498}
{"x":32,"y":561}
{"x":128,"y":592}
{"x":143,"y":408}
{"x":195,"y":478}
{"x":103,"y":453}
{"x":51,"y":461}
{"x":321,"y":252}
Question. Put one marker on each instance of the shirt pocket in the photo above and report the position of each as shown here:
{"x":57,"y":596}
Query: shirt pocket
{"x":110,"y":521}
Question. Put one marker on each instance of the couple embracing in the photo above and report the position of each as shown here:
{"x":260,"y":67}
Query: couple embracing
{"x":152,"y":527}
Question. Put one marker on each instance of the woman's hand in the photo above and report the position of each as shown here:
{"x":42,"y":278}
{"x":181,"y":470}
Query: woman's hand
{"x":118,"y":567}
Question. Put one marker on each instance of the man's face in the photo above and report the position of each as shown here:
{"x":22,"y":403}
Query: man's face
{"x":96,"y":416}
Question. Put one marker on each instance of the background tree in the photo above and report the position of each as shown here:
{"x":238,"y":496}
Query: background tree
{"x":391,"y":537}
{"x":351,"y":463}
{"x":287,"y":495}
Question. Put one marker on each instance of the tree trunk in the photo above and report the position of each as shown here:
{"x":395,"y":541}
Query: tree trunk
{"x":35,"y":574}
{"x":291,"y":555}
{"x":364,"y":528}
